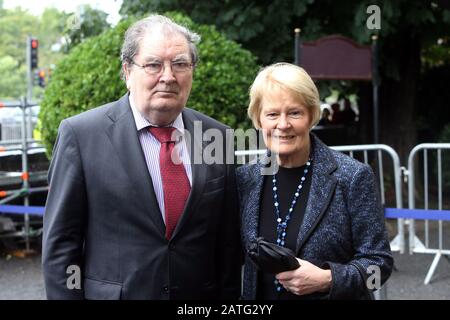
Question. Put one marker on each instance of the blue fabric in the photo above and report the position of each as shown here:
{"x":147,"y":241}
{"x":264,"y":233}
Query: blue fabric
{"x":343,"y":228}
{"x":418,"y":214}
{"x":39,"y":211}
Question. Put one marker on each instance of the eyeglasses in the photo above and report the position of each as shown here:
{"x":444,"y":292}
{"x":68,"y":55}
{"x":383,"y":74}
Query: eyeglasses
{"x":156,"y":67}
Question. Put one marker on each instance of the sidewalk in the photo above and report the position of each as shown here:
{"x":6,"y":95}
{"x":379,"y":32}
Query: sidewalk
{"x":21,"y":278}
{"x":407,"y":282}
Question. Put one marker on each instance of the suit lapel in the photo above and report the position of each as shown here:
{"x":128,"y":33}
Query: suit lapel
{"x":124,"y":137}
{"x":196,"y":146}
{"x":321,"y":192}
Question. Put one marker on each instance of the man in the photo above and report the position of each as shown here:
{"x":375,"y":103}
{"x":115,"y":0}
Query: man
{"x":137,"y":223}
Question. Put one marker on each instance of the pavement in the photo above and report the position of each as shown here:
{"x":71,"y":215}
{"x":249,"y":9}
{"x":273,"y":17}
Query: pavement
{"x":21,"y":278}
{"x":407,"y":280}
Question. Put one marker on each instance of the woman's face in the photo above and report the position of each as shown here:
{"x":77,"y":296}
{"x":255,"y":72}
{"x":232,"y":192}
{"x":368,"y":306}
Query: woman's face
{"x":286,"y":123}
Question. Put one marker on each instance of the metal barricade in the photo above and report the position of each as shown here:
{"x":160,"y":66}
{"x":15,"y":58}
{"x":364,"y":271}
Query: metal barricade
{"x":10,"y":132}
{"x":18,"y":141}
{"x":11,"y":122}
{"x":428,"y":224}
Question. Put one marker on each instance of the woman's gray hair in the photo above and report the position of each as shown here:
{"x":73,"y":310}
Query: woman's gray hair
{"x":138,"y":30}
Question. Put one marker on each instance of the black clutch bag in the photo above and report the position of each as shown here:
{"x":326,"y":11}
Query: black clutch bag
{"x":271,"y":258}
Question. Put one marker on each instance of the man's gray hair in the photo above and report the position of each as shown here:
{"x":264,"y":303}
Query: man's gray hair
{"x":139,"y":29}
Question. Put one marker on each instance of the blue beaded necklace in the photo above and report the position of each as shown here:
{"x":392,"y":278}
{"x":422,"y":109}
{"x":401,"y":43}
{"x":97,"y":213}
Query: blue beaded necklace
{"x":282,"y":225}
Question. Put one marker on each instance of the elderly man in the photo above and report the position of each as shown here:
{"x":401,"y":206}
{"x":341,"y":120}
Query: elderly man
{"x":129,"y":215}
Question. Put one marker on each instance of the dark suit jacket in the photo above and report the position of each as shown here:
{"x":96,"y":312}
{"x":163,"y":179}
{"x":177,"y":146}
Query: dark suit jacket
{"x":102,"y":215}
{"x":343,"y":227}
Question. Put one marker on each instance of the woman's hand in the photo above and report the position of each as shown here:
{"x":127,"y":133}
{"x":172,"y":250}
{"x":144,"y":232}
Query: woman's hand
{"x":306,"y":279}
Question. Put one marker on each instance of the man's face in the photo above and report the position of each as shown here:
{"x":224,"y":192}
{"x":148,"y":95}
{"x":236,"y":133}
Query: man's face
{"x":161,"y":96}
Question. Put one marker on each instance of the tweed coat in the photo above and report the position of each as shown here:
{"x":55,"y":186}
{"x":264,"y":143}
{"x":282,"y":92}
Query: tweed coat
{"x":343,"y":227}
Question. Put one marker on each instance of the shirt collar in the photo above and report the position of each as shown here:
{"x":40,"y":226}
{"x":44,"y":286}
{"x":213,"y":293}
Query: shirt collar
{"x":142,"y":122}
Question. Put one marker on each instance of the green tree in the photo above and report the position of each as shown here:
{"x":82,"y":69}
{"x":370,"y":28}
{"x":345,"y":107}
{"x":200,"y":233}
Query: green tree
{"x":49,"y":33}
{"x":49,"y":28}
{"x":408,"y":29}
{"x":89,"y":77}
{"x":12,"y":84}
{"x":15,"y":25}
{"x":82,"y":25}
{"x":263,"y":27}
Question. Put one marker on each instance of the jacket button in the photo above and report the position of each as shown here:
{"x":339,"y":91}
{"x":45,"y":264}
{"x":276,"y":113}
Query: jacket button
{"x":166,"y":289}
{"x":171,"y":246}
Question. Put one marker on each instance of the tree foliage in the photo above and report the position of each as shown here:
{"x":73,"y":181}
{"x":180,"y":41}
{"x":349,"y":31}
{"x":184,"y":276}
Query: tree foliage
{"x":49,"y":28}
{"x":82,"y":25}
{"x":433,"y":103}
{"x":409,"y":35}
{"x":89,"y":77}
{"x":15,"y":26}
{"x":13,"y":84}
{"x":263,"y":27}
{"x":267,"y":27}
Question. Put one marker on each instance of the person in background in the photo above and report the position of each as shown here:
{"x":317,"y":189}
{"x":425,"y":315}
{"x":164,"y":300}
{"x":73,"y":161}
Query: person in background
{"x":348,"y":116}
{"x":336,"y":115}
{"x":325,"y":118}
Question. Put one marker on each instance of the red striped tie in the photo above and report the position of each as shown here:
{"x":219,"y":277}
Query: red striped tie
{"x":176,"y":186}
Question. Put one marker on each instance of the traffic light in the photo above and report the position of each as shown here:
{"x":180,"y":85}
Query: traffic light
{"x":41,"y":75}
{"x":39,"y":78}
{"x":34,"y":45}
{"x":36,"y":77}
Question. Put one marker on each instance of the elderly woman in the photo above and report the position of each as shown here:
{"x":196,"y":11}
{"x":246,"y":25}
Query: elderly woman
{"x":320,"y":203}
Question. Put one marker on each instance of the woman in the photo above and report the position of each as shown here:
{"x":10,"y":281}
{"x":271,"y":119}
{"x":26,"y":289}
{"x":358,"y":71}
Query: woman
{"x":320,"y":203}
